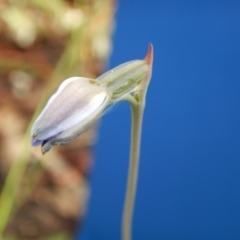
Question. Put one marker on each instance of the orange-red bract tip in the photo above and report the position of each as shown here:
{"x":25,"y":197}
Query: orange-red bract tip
{"x":149,"y":57}
{"x":149,"y":60}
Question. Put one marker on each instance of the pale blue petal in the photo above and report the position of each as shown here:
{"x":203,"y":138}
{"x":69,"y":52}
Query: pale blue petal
{"x":36,"y":142}
{"x":76,"y":100}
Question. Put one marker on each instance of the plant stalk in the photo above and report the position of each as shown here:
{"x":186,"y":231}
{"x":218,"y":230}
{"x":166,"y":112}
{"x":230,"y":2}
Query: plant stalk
{"x":137,"y":118}
{"x":137,"y":103}
{"x":12,"y":182}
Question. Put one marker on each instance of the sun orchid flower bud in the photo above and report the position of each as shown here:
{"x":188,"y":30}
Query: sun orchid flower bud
{"x":77,"y":104}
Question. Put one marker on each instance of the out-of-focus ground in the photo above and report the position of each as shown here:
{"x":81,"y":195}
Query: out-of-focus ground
{"x":43,"y":41}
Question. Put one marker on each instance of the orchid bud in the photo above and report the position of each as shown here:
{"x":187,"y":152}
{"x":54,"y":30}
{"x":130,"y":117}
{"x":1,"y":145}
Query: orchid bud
{"x":77,"y":104}
{"x":124,"y":78}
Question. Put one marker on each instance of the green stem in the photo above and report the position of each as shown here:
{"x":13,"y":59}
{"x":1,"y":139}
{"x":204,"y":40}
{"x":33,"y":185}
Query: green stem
{"x":12,"y":183}
{"x":137,"y":117}
{"x":17,"y":168}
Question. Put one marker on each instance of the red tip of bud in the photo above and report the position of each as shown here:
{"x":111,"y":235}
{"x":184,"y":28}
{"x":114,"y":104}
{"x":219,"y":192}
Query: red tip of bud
{"x":149,"y":60}
{"x":149,"y":57}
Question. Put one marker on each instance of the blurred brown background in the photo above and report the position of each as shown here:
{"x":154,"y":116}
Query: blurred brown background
{"x":41,"y":43}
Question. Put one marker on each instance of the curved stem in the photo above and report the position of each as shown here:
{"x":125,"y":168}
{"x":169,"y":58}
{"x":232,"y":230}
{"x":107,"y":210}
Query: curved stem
{"x":12,"y":182}
{"x":137,"y":117}
{"x":137,"y":105}
{"x":16,"y":171}
{"x":130,"y":99}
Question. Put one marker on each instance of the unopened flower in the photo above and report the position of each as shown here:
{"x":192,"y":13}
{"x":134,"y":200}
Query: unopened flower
{"x":77,"y":103}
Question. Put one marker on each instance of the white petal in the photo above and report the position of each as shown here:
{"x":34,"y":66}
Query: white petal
{"x":72,"y":105}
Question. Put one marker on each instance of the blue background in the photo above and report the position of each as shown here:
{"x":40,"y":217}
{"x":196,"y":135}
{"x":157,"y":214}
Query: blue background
{"x":189,"y":181}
